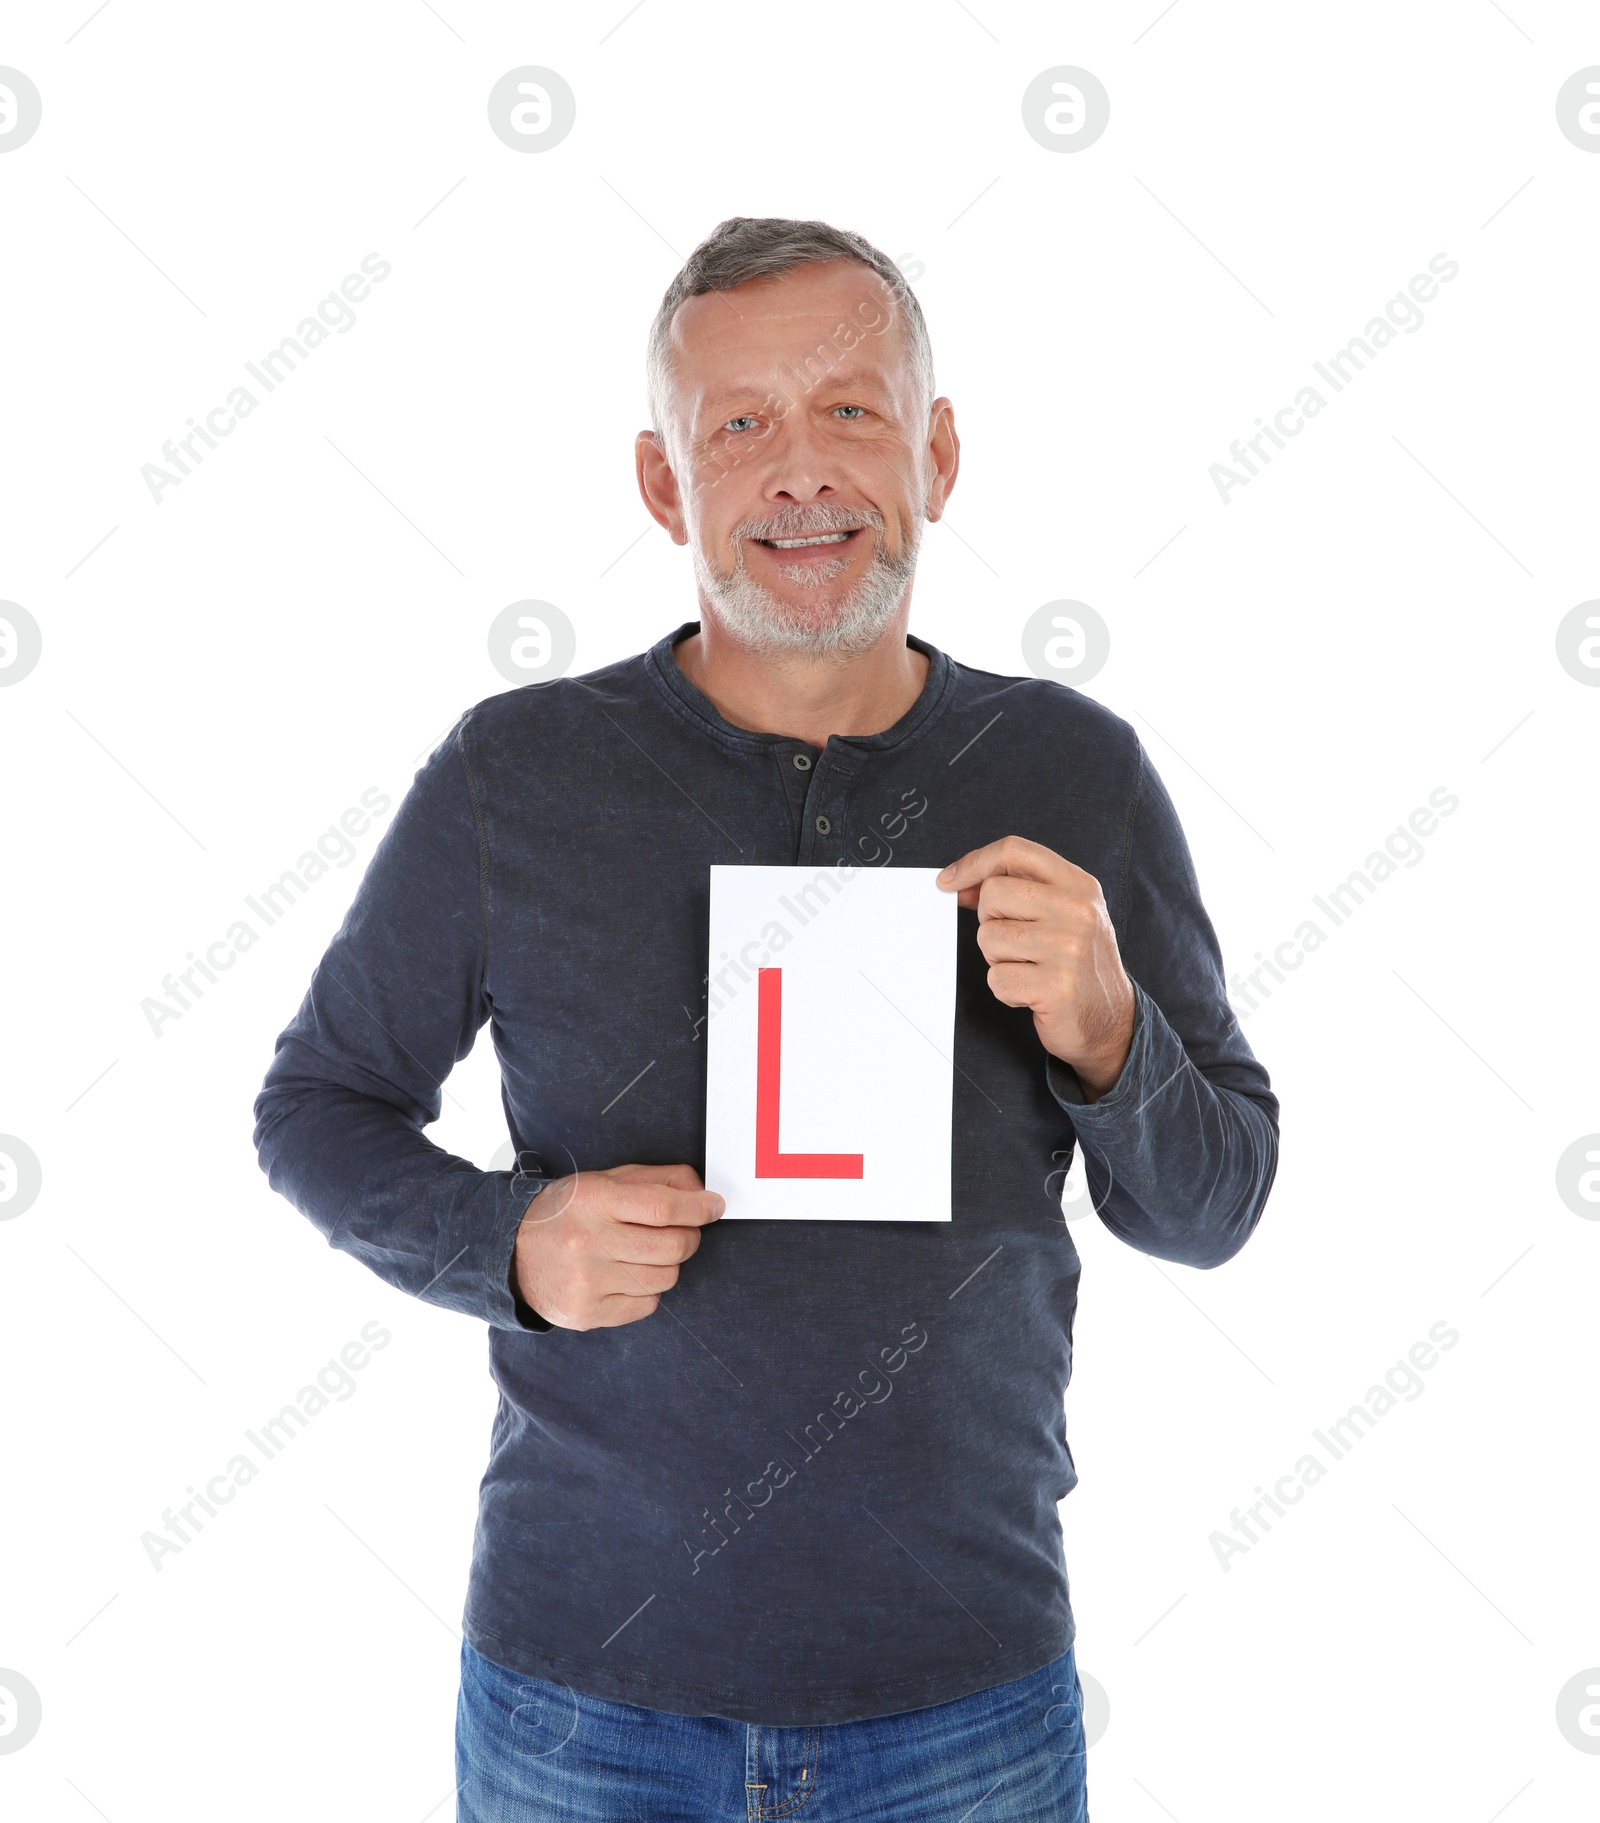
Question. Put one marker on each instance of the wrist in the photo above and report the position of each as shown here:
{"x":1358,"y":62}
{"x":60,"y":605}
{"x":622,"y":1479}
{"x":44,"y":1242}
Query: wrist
{"x":1100,"y":1070}
{"x":1098,"y":1080}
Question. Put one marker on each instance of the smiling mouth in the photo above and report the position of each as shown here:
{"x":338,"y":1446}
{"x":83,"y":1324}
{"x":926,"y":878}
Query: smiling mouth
{"x":802,"y":544}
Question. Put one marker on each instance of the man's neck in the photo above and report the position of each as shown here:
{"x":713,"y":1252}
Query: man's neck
{"x":804,"y":697}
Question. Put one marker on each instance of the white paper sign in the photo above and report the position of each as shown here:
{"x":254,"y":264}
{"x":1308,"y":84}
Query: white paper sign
{"x":830,"y":1026}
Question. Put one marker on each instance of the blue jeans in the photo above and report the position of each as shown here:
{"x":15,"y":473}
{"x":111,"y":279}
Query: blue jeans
{"x":528,"y":1752}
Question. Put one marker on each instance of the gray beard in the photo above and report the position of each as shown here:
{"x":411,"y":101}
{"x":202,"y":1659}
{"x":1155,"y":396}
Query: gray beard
{"x":846,"y":628}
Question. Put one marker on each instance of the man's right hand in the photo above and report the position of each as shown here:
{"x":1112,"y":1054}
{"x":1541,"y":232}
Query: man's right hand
{"x":598,"y":1248}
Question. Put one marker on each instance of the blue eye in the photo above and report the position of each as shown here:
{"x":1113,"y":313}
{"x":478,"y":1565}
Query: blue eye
{"x":743,"y":423}
{"x":844,"y":408}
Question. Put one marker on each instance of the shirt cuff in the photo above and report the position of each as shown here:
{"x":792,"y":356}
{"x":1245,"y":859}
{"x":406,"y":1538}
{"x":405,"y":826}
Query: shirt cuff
{"x":1062,"y":1080}
{"x":513,"y":1311}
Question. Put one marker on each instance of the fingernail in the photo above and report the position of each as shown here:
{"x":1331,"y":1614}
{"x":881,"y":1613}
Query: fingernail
{"x":946,"y":872}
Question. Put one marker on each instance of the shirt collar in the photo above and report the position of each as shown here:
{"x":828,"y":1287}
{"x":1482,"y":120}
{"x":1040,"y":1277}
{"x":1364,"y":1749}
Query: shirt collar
{"x":690,"y":700}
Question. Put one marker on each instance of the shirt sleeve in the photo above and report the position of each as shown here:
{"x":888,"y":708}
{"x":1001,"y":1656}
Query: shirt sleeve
{"x":1180,"y":1153}
{"x":359,"y":1071}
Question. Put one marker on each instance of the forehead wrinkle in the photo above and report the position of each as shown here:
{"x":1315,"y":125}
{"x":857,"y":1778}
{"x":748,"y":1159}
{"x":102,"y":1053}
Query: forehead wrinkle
{"x":863,"y":377}
{"x":682,"y":354}
{"x":766,"y":307}
{"x":769,"y":316}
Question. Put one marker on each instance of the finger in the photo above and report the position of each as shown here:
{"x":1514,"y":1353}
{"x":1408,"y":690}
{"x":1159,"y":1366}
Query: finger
{"x":662,"y":1207}
{"x":616,"y":1309}
{"x":636,"y":1244}
{"x":676,"y":1177}
{"x":1006,"y":940}
{"x":642,"y":1281}
{"x":1010,"y":855}
{"x":1008,"y":896}
{"x":1016,"y":983}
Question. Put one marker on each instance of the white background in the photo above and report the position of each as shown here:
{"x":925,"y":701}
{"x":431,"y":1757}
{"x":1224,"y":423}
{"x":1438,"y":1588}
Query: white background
{"x":1373,"y":617}
{"x":869,"y":963}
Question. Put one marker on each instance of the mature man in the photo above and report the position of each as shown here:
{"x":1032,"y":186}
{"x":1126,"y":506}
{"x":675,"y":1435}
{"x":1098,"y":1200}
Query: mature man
{"x":770,"y":1519}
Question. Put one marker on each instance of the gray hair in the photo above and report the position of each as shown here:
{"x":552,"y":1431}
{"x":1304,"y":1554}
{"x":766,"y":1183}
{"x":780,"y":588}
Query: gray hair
{"x":746,"y":247}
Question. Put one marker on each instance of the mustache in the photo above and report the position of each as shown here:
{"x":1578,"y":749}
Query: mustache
{"x":809,"y":521}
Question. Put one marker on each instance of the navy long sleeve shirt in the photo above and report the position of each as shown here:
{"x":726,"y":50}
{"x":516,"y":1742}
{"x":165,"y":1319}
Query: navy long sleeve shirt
{"x":820,"y":1481}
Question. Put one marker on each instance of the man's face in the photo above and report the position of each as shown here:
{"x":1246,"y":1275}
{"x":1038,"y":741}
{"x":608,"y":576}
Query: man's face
{"x":802,"y":459}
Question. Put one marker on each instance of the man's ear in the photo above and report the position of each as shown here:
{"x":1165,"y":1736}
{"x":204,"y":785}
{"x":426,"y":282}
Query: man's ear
{"x":944,"y":456}
{"x":658,"y":485}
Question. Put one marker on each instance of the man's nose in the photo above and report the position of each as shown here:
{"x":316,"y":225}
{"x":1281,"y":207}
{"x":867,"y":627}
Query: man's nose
{"x":798,"y":466}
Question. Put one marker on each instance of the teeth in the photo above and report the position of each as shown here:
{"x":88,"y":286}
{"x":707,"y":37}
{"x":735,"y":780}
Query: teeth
{"x":799,"y":544}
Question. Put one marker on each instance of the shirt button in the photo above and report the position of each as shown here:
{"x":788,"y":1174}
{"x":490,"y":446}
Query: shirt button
{"x":824,"y":827}
{"x":802,"y":762}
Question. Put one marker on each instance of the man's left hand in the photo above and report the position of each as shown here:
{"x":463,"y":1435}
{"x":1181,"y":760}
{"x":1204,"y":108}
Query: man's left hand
{"x":1045,"y":932}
